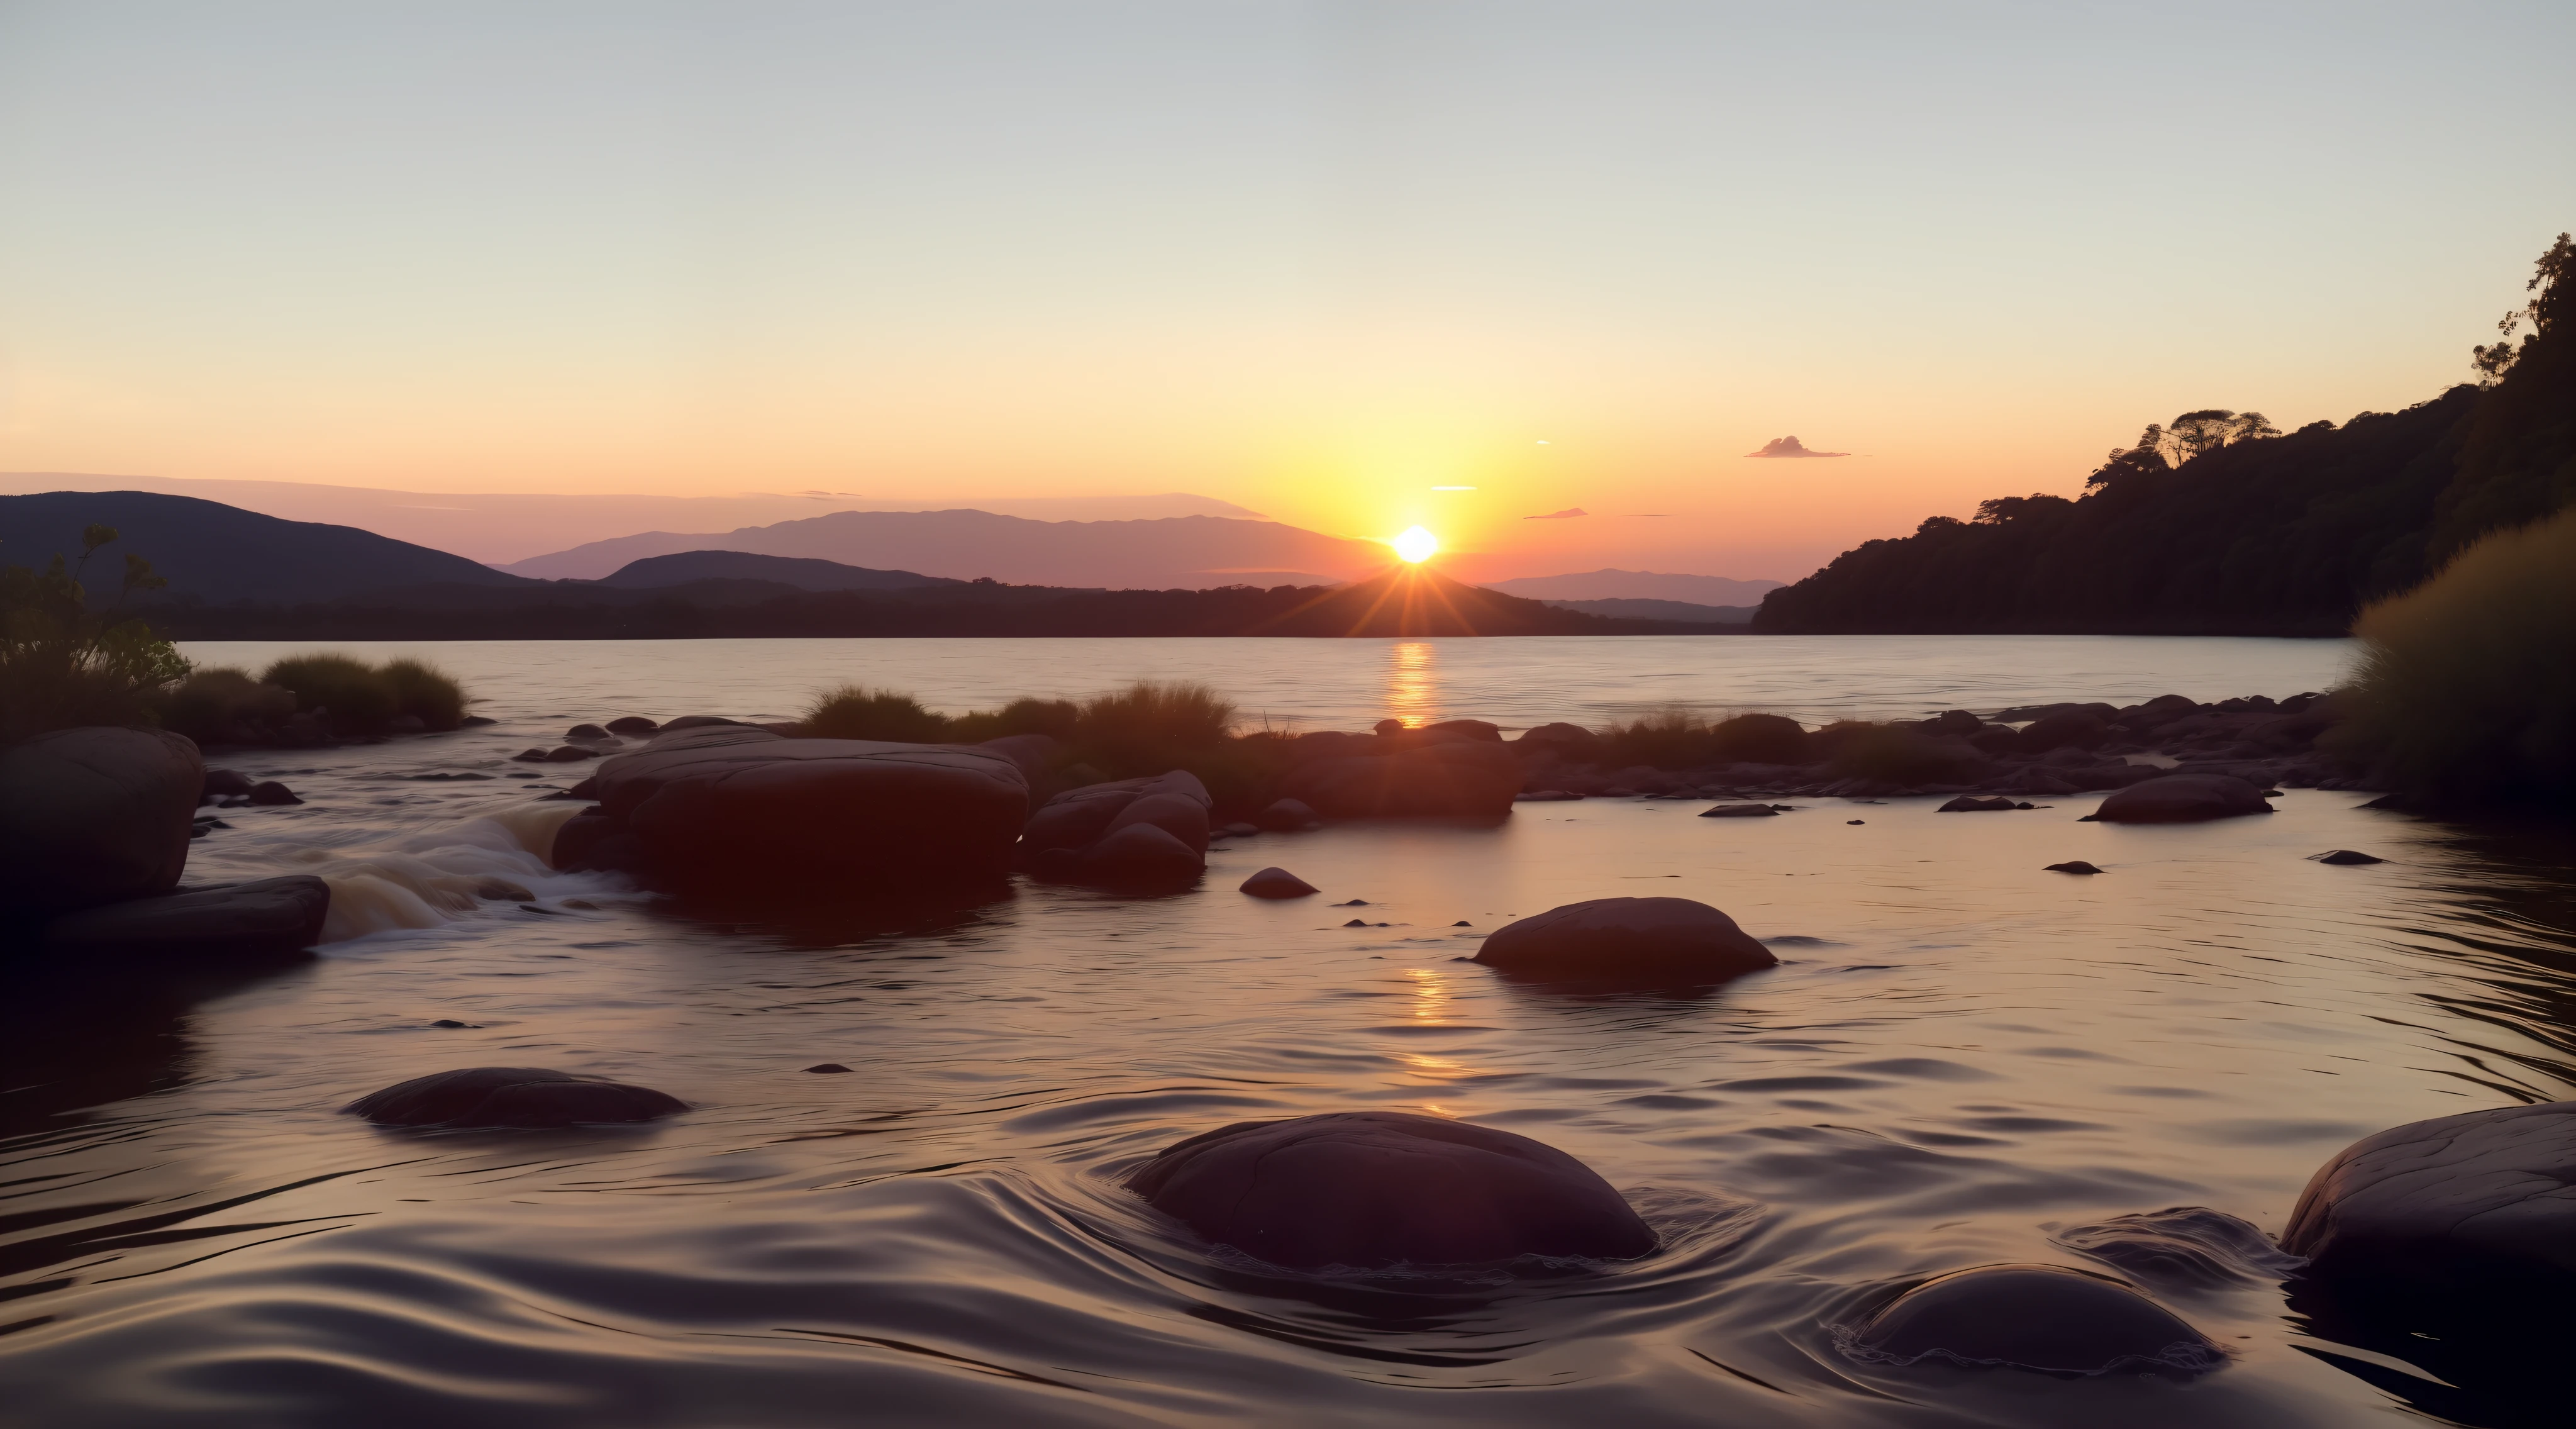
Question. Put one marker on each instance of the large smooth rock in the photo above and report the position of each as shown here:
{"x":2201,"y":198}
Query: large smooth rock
{"x":2039,"y":1317}
{"x":269,"y":919}
{"x":720,"y":805}
{"x":1374,"y":1189}
{"x":1139,"y":856}
{"x":1287,"y":816}
{"x":92,"y":816}
{"x":2182,"y":799}
{"x":1462,"y":776}
{"x":530,"y":1097}
{"x":2462,"y":1205}
{"x":1673,"y":939}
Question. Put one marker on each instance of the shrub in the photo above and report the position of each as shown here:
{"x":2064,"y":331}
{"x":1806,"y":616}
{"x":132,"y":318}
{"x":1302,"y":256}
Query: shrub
{"x":425,"y":692}
{"x":2465,"y":692}
{"x":1678,"y":739}
{"x":1896,"y":755}
{"x":353,"y":696}
{"x":856,"y":712}
{"x":225,"y":705}
{"x":1054,"y":718}
{"x":1151,"y":726}
{"x":63,"y":665}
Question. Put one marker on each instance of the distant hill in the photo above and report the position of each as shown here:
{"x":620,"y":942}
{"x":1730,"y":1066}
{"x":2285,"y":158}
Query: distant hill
{"x":221,"y":555}
{"x":1398,"y":602}
{"x":1682,"y":610}
{"x":1184,"y":552}
{"x":512,"y":526}
{"x":1637,"y":585}
{"x":2220,"y":524}
{"x":801,"y":573}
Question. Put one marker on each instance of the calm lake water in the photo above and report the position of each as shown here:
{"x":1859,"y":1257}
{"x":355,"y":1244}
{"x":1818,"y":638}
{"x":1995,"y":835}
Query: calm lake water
{"x":1960,"y":1056}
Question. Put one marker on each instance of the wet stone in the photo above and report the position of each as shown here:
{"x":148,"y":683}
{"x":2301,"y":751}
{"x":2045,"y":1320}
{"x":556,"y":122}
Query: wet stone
{"x":2036,"y":1317}
{"x":2073,"y":865}
{"x":517,"y":1097}
{"x":2345,"y":856}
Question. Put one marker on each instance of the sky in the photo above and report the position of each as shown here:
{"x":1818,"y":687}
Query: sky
{"x":1317,"y":259}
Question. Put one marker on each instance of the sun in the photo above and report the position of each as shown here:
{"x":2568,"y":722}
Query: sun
{"x":1416,"y":545}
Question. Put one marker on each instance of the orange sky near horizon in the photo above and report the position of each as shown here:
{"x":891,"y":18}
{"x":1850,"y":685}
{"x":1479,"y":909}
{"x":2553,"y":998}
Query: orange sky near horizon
{"x":1313,"y":258}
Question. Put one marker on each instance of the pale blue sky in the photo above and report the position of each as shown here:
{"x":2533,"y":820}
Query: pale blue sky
{"x":1310,"y":257}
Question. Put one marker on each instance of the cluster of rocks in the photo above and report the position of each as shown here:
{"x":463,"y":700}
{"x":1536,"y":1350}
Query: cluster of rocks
{"x":95,"y":825}
{"x":2037,"y":751}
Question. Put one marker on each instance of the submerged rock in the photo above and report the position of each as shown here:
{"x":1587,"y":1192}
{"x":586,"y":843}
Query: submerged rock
{"x":91,"y":816}
{"x":245,"y":922}
{"x":1375,"y":1189}
{"x":2041,"y":1317}
{"x":2073,"y":865}
{"x":1277,"y":883}
{"x":1287,"y":816}
{"x":632,"y":724}
{"x":1973,"y":804}
{"x":2346,"y":856}
{"x":2478,"y":1205}
{"x":1139,"y":855}
{"x":2182,"y":799}
{"x":272,"y":794}
{"x":528,"y":1097}
{"x":1673,"y":939}
{"x":2186,"y":1247}
{"x":1740,"y":811}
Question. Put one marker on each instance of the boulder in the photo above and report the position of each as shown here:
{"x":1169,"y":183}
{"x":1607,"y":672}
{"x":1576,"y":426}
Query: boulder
{"x":1035,"y":754}
{"x":2476,"y":1207}
{"x":632,"y":724}
{"x":1740,"y":811}
{"x":2182,"y":799}
{"x":1277,"y":883}
{"x":686,"y":722}
{"x":1287,"y":816}
{"x":731,"y":806}
{"x":569,"y":754}
{"x":1670,"y":939}
{"x":94,"y":815}
{"x":1138,"y":855}
{"x":2345,"y":856}
{"x":2072,"y":866}
{"x":272,"y":794}
{"x":243,"y":922}
{"x":224,"y":784}
{"x":589,"y":734}
{"x":525,"y":1097}
{"x":2079,"y":729}
{"x":1563,"y":741}
{"x":1374,"y":1189}
{"x":1085,"y":833}
{"x":1462,"y":776}
{"x":2040,"y":1317}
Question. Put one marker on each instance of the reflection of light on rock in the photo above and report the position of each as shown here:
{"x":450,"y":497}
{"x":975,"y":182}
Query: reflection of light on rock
{"x":1416,"y":544}
{"x":1412,"y":684}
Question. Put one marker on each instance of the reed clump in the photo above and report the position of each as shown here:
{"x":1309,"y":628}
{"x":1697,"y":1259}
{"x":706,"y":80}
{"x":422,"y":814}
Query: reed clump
{"x":350,"y":696}
{"x":2465,"y":692}
{"x":1677,"y":738}
{"x":225,"y":705}
{"x":857,"y":712}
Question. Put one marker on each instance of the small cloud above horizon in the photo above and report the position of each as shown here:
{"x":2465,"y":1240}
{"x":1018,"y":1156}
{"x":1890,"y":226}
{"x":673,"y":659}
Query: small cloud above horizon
{"x":1789,"y":447}
{"x":1566,"y":514}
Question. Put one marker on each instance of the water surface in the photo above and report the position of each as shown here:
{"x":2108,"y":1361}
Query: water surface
{"x":1960,"y":1057}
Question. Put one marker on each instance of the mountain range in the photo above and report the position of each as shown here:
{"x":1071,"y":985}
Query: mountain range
{"x":497,"y":527}
{"x":1173,"y":553}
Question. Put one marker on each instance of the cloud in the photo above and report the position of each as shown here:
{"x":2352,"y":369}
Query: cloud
{"x":1790,"y":446}
{"x":1567,"y":513}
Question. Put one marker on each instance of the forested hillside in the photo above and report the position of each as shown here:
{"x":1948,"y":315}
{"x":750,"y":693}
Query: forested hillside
{"x":2218,"y":524}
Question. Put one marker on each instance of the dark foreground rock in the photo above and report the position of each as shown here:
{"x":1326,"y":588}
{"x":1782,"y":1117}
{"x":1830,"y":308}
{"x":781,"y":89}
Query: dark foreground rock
{"x":1375,"y":1189}
{"x":732,"y":806}
{"x":2182,"y":799}
{"x":1130,"y":831}
{"x":2472,"y":1206}
{"x":1277,"y":883}
{"x":530,"y":1097}
{"x":1740,"y":811}
{"x":92,"y":816}
{"x":267,"y":920}
{"x":1658,"y":939}
{"x":1395,"y":778}
{"x":2038,"y":1317}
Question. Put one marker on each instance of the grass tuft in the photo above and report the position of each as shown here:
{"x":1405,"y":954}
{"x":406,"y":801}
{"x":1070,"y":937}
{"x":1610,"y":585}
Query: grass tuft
{"x":856,"y":712}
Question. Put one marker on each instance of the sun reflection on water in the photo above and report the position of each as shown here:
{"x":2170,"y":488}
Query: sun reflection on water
{"x":1412,"y":681}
